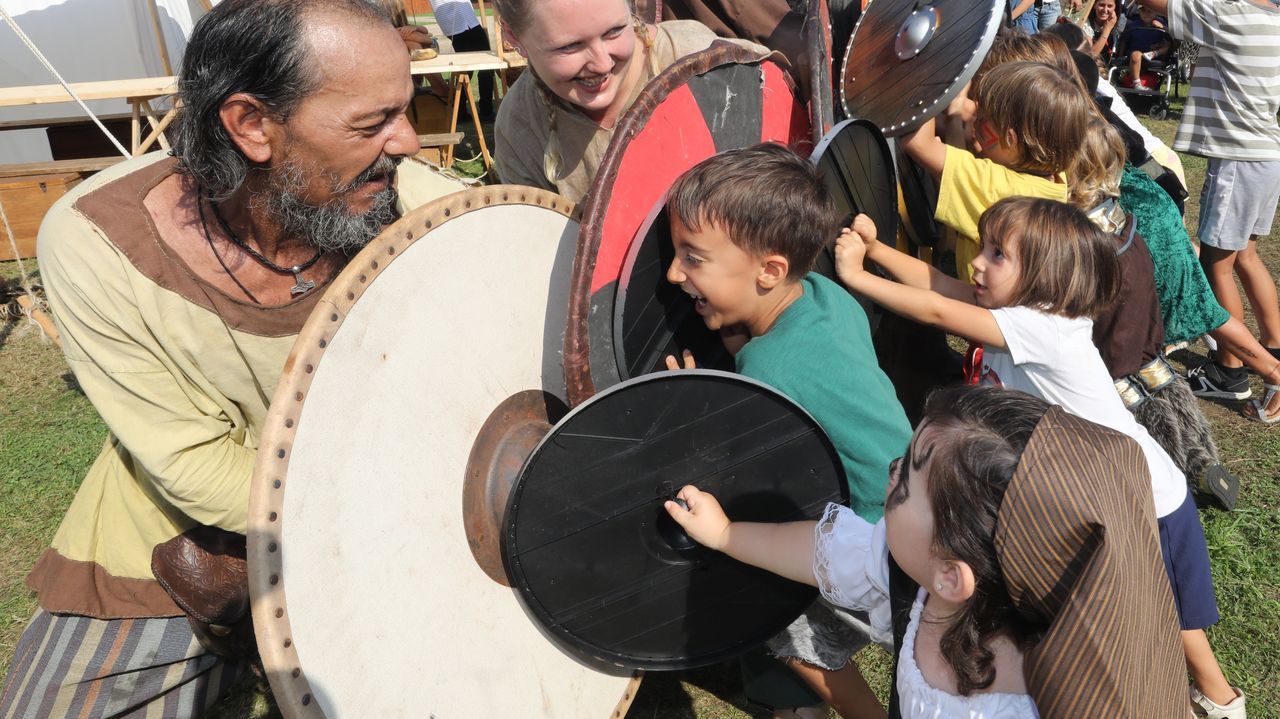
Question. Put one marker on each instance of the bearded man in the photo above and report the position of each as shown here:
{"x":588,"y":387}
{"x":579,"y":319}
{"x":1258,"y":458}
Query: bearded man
{"x":179,"y":284}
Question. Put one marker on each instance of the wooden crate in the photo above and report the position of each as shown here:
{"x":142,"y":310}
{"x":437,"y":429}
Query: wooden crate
{"x":26,"y":198}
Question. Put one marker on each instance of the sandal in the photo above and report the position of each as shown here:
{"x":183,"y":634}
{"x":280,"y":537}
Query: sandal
{"x":1259,"y":407}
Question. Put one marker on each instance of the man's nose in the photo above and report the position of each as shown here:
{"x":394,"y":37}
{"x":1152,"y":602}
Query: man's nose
{"x":403,"y":141}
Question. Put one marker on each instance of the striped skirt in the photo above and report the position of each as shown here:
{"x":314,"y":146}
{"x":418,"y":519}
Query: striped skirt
{"x":70,"y":666}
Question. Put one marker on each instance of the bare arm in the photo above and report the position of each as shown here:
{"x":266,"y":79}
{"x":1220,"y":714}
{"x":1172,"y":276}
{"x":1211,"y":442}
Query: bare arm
{"x":957,"y":316}
{"x":1022,"y":7}
{"x":902,"y":267}
{"x":926,"y":148}
{"x":1100,"y":42}
{"x":784,"y":549}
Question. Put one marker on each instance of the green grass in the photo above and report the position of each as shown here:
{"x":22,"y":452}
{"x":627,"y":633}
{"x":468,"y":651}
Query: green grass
{"x":49,"y":434}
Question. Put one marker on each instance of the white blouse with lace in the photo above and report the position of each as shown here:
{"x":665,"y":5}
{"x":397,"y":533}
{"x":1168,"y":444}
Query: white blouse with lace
{"x":851,"y":565}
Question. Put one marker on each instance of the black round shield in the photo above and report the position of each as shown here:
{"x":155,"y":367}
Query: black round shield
{"x":598,"y":562}
{"x":857,"y":166}
{"x":907,"y":60}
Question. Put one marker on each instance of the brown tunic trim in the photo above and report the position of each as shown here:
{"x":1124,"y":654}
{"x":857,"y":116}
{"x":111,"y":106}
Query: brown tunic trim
{"x":67,"y":586}
{"x":117,"y":209}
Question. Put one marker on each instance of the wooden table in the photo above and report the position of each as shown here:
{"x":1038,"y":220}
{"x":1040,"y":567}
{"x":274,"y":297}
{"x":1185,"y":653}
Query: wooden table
{"x":461,"y":65}
{"x":138,"y":92}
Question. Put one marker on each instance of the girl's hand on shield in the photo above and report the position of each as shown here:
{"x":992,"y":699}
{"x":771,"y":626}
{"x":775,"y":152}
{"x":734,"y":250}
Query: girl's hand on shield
{"x":704,"y":520}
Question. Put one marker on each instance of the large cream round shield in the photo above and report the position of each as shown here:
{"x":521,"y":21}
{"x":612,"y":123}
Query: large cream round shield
{"x":368,"y":598}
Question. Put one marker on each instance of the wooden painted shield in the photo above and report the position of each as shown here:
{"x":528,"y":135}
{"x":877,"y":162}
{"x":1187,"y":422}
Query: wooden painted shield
{"x":907,"y":59}
{"x":599,"y":562}
{"x":407,"y":388}
{"x":722,"y":98}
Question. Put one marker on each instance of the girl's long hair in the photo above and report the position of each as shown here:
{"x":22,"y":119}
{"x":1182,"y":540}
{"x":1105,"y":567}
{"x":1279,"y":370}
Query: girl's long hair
{"x":980,"y":435}
{"x":1098,"y":166}
{"x":1067,"y":265}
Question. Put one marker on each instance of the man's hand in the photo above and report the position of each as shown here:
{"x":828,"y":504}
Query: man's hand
{"x":852,"y":247}
{"x":689,"y":363}
{"x":704,"y":520}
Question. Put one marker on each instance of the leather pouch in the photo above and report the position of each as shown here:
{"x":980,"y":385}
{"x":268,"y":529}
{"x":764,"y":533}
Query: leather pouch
{"x":204,"y":570}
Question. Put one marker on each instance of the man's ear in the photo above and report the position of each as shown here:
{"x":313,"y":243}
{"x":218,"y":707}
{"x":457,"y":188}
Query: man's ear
{"x":773,"y":271}
{"x":953,"y":581}
{"x":249,"y":126}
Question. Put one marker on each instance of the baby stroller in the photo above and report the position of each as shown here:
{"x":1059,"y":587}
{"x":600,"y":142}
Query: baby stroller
{"x":1160,"y":78}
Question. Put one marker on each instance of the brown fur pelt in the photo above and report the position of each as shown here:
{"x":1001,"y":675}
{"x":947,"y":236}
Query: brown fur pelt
{"x":1173,"y":417}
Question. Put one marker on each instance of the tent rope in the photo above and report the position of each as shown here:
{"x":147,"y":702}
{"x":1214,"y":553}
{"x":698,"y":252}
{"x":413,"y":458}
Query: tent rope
{"x":49,"y":66}
{"x":11,"y":311}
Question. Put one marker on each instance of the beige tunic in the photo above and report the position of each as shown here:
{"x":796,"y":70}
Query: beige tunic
{"x":523,"y":128}
{"x":182,"y":375}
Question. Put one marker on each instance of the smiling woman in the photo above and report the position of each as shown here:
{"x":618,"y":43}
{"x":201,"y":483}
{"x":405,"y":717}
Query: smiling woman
{"x":589,"y":59}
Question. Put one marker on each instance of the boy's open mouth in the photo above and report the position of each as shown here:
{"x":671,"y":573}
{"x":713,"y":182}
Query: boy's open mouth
{"x":699,"y":302}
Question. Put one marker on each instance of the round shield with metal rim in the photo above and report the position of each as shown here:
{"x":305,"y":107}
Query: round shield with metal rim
{"x":909,"y":58}
{"x":817,"y":36}
{"x":426,"y":374}
{"x":602,"y":566}
{"x":722,"y":98}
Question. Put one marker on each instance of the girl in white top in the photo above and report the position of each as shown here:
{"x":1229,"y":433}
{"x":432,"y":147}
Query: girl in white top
{"x":962,"y":653}
{"x":1044,"y":272}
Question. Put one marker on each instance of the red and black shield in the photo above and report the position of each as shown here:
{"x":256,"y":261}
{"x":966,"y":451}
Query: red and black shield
{"x":722,"y":98}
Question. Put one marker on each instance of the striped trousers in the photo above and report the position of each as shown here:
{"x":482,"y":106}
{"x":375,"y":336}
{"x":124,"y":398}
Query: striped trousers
{"x":71,"y":666}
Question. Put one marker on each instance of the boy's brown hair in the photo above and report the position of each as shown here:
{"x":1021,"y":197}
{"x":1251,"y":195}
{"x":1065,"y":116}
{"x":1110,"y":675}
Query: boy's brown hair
{"x":1067,"y":265}
{"x":766,"y":198}
{"x":1044,"y":105}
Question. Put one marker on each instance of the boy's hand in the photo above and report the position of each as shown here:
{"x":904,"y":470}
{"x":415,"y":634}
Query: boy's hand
{"x":735,"y":337}
{"x":689,"y":363}
{"x":704,"y":520}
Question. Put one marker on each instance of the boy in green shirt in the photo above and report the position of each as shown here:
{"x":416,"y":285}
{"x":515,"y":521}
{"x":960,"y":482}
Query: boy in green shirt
{"x":747,"y":226}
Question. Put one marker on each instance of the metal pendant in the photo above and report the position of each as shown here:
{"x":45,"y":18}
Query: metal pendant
{"x":301,"y":285}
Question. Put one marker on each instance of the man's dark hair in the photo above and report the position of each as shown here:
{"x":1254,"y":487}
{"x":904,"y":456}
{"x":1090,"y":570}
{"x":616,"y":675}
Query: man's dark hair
{"x":258,"y":47}
{"x":768,"y":199}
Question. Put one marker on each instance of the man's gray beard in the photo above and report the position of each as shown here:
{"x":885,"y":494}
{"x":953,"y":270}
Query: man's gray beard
{"x":331,"y":226}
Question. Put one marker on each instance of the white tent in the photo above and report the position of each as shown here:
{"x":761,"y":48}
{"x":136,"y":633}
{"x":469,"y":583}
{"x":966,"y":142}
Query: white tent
{"x":85,"y":40}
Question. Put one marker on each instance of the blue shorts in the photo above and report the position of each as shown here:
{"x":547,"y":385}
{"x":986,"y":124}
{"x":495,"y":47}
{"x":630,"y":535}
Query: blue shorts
{"x":1186,"y":561}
